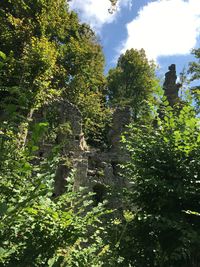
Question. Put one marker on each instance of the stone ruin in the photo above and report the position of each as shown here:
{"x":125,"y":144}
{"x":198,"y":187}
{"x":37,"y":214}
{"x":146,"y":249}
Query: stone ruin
{"x":74,"y":146}
{"x":71,"y":141}
{"x":96,"y":170}
{"x":104,"y":166}
{"x":171,"y":88}
{"x":121,"y":118}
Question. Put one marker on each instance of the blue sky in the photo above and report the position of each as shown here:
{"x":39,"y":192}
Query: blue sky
{"x":166,"y":29}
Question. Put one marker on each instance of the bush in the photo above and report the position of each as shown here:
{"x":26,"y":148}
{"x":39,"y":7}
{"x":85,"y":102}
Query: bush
{"x":163,"y":171}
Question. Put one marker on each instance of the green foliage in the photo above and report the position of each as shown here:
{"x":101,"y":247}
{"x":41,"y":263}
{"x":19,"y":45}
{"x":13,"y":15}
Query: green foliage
{"x":47,"y":55}
{"x":50,"y":54}
{"x":194,"y":70}
{"x":164,"y":175}
{"x":37,"y":229}
{"x":96,"y":118}
{"x":2,"y":58}
{"x":133,"y":81}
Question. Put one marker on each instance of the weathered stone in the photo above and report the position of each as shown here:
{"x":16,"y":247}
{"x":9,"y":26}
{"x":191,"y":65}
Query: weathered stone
{"x":69,"y":113}
{"x":62,"y":174}
{"x":81,"y":169}
{"x":121,"y":118}
{"x":170,"y":86}
{"x":93,"y":168}
{"x":71,"y":142}
{"x":109,"y":174}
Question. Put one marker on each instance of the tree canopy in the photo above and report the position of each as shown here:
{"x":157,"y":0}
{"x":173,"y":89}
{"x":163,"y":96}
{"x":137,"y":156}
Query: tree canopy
{"x":51,"y":54}
{"x":133,"y":80}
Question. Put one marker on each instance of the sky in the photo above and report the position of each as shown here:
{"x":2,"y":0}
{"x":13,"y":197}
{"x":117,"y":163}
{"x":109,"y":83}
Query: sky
{"x":168,"y":30}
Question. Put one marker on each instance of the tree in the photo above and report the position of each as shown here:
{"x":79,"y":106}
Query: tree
{"x":133,"y":81}
{"x":194,"y":70}
{"x":46,"y":55}
{"x":50,"y":54}
{"x":164,"y":174}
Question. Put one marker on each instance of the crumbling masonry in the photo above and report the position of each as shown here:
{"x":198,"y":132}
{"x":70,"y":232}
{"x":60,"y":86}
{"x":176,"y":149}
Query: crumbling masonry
{"x":94,"y":169}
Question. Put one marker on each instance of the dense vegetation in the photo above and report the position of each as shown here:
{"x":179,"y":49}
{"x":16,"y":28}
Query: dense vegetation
{"x":47,"y":55}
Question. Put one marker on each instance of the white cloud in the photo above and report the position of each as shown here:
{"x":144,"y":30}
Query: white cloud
{"x":165,"y":27}
{"x":95,"y":12}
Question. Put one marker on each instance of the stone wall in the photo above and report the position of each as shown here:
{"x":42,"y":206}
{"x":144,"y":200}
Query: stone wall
{"x":95,"y":169}
{"x":74,"y":148}
{"x":70,"y":139}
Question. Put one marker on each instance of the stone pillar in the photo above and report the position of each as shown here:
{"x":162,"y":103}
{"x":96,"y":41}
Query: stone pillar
{"x":121,"y":118}
{"x":170,"y":86}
